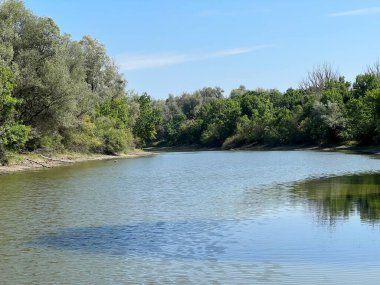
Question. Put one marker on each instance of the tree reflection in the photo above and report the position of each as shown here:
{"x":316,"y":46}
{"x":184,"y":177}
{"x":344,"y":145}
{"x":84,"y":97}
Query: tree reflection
{"x":341,"y":197}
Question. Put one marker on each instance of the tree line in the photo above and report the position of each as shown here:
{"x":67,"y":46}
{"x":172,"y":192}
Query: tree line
{"x":59,"y":94}
{"x":325,"y":109}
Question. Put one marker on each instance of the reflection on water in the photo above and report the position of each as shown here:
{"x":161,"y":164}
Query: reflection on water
{"x":290,"y":237}
{"x":287,"y":239}
{"x":341,"y":197}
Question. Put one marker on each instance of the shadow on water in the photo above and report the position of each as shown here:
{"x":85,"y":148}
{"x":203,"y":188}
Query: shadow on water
{"x":341,"y":197}
{"x":184,"y":239}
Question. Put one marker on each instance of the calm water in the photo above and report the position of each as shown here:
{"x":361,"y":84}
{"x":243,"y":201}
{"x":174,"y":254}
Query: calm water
{"x":294,"y":217}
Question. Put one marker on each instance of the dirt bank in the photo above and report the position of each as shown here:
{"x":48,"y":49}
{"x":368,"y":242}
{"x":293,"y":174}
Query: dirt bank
{"x":31,"y":161}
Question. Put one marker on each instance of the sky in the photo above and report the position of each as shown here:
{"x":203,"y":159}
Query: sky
{"x":173,"y":46}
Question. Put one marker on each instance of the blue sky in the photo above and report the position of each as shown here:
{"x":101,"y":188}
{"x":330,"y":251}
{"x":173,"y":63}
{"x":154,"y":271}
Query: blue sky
{"x":168,"y":46}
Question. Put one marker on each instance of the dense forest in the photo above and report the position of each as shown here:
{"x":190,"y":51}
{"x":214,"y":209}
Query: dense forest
{"x":324,"y":110}
{"x":58,"y":94}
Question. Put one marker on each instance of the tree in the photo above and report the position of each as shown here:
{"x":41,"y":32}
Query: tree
{"x":190,"y":104}
{"x":238,"y":92}
{"x":318,"y":78}
{"x":64,"y":88}
{"x":209,"y":93}
{"x":149,"y":117}
{"x":326,"y":123}
{"x":363,"y":117}
{"x":94,"y":60}
{"x":364,"y":83}
{"x":374,"y":69}
{"x":13,"y":135}
{"x":13,"y":17}
{"x":44,"y":84}
{"x":172,"y":119}
{"x":218,"y":119}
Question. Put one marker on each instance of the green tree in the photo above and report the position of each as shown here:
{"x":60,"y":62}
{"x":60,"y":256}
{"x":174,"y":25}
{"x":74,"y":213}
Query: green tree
{"x":94,"y":60}
{"x":63,"y":86}
{"x":13,"y":135}
{"x":365,"y":82}
{"x":363,"y":117}
{"x":326,"y":123}
{"x":238,"y":91}
{"x":172,"y":119}
{"x":218,"y":119}
{"x":149,"y":117}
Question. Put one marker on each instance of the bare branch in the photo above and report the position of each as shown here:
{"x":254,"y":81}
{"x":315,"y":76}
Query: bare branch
{"x":318,"y":78}
{"x":374,"y":69}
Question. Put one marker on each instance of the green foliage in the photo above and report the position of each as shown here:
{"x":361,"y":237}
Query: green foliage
{"x":219,"y":119}
{"x":149,"y":118}
{"x":85,"y":137}
{"x":331,"y":114}
{"x":69,"y":93}
{"x":244,"y":133}
{"x":113,"y":138}
{"x":13,"y":135}
{"x":326,"y":123}
{"x":172,"y":118}
{"x":364,"y":117}
{"x":190,"y":131}
{"x":238,"y":92}
{"x":286,"y":126}
{"x":365,"y":82}
{"x":52,"y":143}
{"x":7,"y":102}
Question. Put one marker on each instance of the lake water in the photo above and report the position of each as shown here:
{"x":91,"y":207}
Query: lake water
{"x":277,"y":217}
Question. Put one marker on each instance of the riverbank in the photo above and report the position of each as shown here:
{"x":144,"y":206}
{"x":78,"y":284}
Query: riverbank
{"x":32,"y":161}
{"x":374,"y":150}
{"x":332,"y":148}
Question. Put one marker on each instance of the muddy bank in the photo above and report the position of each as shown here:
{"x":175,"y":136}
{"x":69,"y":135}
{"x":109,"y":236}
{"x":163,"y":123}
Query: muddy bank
{"x":32,"y":161}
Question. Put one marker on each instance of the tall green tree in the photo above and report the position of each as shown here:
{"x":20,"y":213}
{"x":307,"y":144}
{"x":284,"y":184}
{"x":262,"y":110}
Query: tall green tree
{"x":219,"y":118}
{"x":13,"y":135}
{"x":149,"y":117}
{"x":364,"y":83}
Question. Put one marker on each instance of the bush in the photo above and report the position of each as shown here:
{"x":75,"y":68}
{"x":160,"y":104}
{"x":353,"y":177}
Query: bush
{"x":3,"y":156}
{"x":113,"y":140}
{"x":52,"y":143}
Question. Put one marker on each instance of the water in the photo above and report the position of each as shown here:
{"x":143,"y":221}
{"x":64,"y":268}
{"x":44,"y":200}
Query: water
{"x":279,"y":217}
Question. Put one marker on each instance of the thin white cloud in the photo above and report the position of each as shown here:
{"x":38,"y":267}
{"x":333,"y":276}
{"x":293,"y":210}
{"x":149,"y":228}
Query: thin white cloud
{"x":359,"y":12}
{"x":145,"y":61}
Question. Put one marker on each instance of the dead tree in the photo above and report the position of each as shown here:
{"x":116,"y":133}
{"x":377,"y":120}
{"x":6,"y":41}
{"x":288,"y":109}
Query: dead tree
{"x":317,"y":79}
{"x":374,"y":69}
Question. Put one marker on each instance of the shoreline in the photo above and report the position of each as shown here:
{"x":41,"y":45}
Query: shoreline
{"x":372,"y":150}
{"x":35,"y":161}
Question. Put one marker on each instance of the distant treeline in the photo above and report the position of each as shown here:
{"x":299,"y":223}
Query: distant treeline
{"x":58,"y":94}
{"x":325,"y":109}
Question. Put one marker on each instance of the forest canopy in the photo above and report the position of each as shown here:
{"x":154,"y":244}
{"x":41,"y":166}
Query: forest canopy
{"x":325,"y":110}
{"x":59,"y":94}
